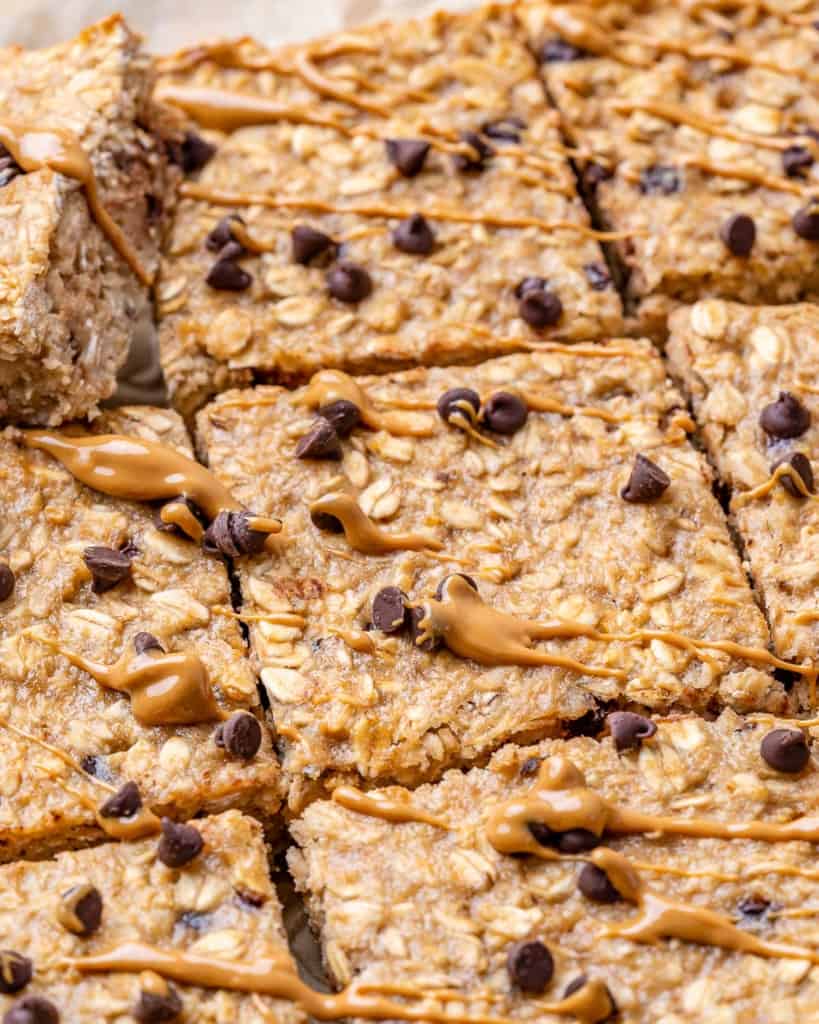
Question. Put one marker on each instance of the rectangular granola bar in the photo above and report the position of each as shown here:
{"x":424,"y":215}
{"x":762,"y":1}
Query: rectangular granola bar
{"x":400,"y":187}
{"x":606,"y":598}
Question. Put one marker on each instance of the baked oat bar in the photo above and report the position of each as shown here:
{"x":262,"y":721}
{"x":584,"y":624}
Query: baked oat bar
{"x":561,"y":485}
{"x":751,"y":375}
{"x":96,"y":598}
{"x":422,"y":891}
{"x":400,"y":187}
{"x":82,"y":186}
{"x":219,"y":903}
{"x":697,"y":125}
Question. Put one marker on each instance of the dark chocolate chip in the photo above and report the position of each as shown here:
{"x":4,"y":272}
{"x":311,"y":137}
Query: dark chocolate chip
{"x":540,"y":307}
{"x":327,"y":522}
{"x":593,"y":174}
{"x":504,"y":129}
{"x":343,"y":414}
{"x":389,"y":611}
{"x":7,"y":581}
{"x":598,"y":276}
{"x":646,"y":483}
{"x":452,"y":403}
{"x":430,"y":641}
{"x":800,"y":464}
{"x":230,"y":534}
{"x":153,"y":1008}
{"x":81,"y":909}
{"x":785,"y":750}
{"x":528,"y":284}
{"x":230,"y":252}
{"x":530,"y":766}
{"x":557,"y":49}
{"x":414,"y":236}
{"x":595,"y":885}
{"x":348,"y":282}
{"x":32,"y":1010}
{"x":441,"y":588}
{"x":660,"y":179}
{"x":542,"y":834}
{"x":407,"y":155}
{"x":590,"y":723}
{"x":107,"y":567}
{"x":240,"y":735}
{"x":309,"y":242}
{"x":193,"y":153}
{"x":628,"y":730}
{"x":796,"y":161}
{"x":15,"y":971}
{"x":505,"y":412}
{"x":786,"y":417}
{"x":475,"y":162}
{"x":320,"y":442}
{"x":531,"y":966}
{"x":739,"y":234}
{"x":219,"y":237}
{"x":753,"y":905}
{"x":147,"y":642}
{"x":227,"y":276}
{"x":806,"y":221}
{"x":577,"y":840}
{"x":179,"y":844}
{"x":125,"y":803}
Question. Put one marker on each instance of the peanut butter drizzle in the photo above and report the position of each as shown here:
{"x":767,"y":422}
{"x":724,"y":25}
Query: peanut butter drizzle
{"x":764,"y":489}
{"x":177,"y":513}
{"x":138,"y":826}
{"x":36,"y":148}
{"x":542,"y":403}
{"x":378,"y":804}
{"x":328,"y":386}
{"x":363,"y":534}
{"x":62,"y":755}
{"x":356,"y":639}
{"x":754,"y":177}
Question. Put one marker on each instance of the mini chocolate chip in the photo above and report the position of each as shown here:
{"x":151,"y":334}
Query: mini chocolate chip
{"x":348,"y":282}
{"x":80,"y":909}
{"x":628,"y":730}
{"x":153,"y":1008}
{"x":531,"y":966}
{"x":739,"y":234}
{"x":407,"y":155}
{"x":15,"y":971}
{"x":7,"y":581}
{"x":32,"y":1010}
{"x":440,"y":589}
{"x":505,"y":412}
{"x":240,"y":735}
{"x":504,"y":129}
{"x":179,"y":844}
{"x":230,"y":534}
{"x":593,"y":174}
{"x":309,"y":242}
{"x":557,"y":49}
{"x":193,"y":153}
{"x":343,"y":414}
{"x":320,"y":442}
{"x":96,"y":765}
{"x":473,"y":163}
{"x":660,"y":179}
{"x":786,"y":417}
{"x":107,"y":567}
{"x":577,"y":840}
{"x":530,"y":766}
{"x":595,"y":885}
{"x":389,"y":611}
{"x":452,"y":403}
{"x":540,"y":307}
{"x":646,"y":483}
{"x":219,"y":237}
{"x":800,"y":464}
{"x":230,"y":252}
{"x":527,"y":284}
{"x":598,"y":276}
{"x":328,"y":523}
{"x":147,"y":642}
{"x":227,"y":276}
{"x":125,"y":803}
{"x":542,"y":834}
{"x":796,"y":161}
{"x":806,"y":221}
{"x":414,"y":236}
{"x":430,"y":642}
{"x":753,"y":905}
{"x":785,"y":750}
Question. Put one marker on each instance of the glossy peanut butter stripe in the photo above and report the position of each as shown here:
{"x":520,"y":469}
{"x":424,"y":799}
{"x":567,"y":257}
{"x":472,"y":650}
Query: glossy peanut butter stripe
{"x":328,"y":386}
{"x":785,"y":469}
{"x":378,"y":804}
{"x":365,"y":535}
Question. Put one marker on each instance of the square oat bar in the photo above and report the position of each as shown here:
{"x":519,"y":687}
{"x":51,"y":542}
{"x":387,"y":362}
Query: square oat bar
{"x":400,"y":188}
{"x":697,"y":129}
{"x":82,"y":186}
{"x":84,"y":576}
{"x":683,"y":926}
{"x":751,"y":374}
{"x":583,"y":596}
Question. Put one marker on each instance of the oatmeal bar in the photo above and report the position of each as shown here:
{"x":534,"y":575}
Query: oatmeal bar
{"x":401,"y":187}
{"x":520,"y":489}
{"x":422,"y":891}
{"x":698,"y":124}
{"x":82,"y":187}
{"x":751,"y":374}
{"x":220,"y":903}
{"x":95,"y":598}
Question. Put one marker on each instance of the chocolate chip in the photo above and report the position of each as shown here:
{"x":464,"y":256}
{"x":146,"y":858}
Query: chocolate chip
{"x":15,"y":971}
{"x":628,"y":730}
{"x":320,"y":442}
{"x":504,"y":129}
{"x":796,"y":161}
{"x":80,"y":909}
{"x":598,"y":276}
{"x":309,"y":242}
{"x":348,"y":282}
{"x":193,"y":153}
{"x":7,"y":581}
{"x":538,"y":306}
{"x":240,"y":735}
{"x":414,"y":236}
{"x":595,"y":885}
{"x":125,"y":803}
{"x":542,"y":833}
{"x":753,"y":905}
{"x":593,"y":174}
{"x":430,"y":642}
{"x":389,"y":612}
{"x":440,"y":589}
{"x":219,"y":237}
{"x":785,"y":750}
{"x":577,"y":840}
{"x":230,"y":534}
{"x":147,"y":642}
{"x":660,"y":179}
{"x":94,"y":764}
{"x":530,"y":766}
{"x":530,"y":966}
{"x":739,"y":234}
{"x":107,"y":567}
{"x":505,"y":412}
{"x":407,"y":155}
{"x":32,"y":1010}
{"x":800,"y":464}
{"x":528,"y":284}
{"x":343,"y":414}
{"x":476,"y":162}
{"x":179,"y":844}
{"x":153,"y":1008}
{"x":806,"y":221}
{"x":452,"y":403}
{"x":557,"y":49}
{"x":646,"y":483}
{"x":328,"y":523}
{"x":786,"y":417}
{"x":227,"y":276}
